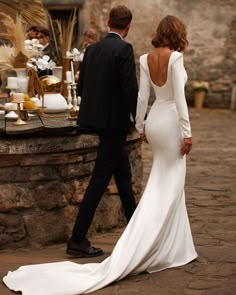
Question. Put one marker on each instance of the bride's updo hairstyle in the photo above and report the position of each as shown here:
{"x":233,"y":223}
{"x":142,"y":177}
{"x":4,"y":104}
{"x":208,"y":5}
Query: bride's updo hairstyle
{"x":171,"y":33}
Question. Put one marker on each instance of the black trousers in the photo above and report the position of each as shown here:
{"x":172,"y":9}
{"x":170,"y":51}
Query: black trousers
{"x":112,"y":159}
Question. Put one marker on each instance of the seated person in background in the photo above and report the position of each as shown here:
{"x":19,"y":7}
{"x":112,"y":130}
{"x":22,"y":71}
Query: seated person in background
{"x":48,"y":48}
{"x":31,"y":33}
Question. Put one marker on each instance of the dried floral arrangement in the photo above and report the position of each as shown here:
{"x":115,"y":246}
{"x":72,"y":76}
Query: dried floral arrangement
{"x":15,"y":55}
{"x":62,"y":31}
{"x":32,"y":11}
{"x":14,"y":21}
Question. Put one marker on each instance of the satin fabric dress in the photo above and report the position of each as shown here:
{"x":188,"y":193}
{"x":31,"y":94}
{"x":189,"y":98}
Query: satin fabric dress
{"x":158,"y":235}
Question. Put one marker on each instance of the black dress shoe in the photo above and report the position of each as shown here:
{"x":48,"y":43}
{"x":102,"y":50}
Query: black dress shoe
{"x":82,"y":249}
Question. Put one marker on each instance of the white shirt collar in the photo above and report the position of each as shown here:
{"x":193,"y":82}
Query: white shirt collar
{"x":116,"y":34}
{"x":42,"y":48}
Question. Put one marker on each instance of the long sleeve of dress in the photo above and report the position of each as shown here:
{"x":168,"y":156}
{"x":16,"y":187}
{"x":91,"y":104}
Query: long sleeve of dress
{"x":179,"y":78}
{"x":143,"y":97}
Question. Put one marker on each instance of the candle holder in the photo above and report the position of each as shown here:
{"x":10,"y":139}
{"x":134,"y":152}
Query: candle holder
{"x":41,"y":108}
{"x":12,"y":90}
{"x":19,"y":121}
{"x":75,"y":101}
{"x":69,"y":97}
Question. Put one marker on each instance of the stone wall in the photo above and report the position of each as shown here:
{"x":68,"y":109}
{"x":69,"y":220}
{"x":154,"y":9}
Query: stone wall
{"x":42,"y":183}
{"x":211,"y":30}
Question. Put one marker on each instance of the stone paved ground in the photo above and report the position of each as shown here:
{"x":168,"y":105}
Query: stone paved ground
{"x":210,"y":194}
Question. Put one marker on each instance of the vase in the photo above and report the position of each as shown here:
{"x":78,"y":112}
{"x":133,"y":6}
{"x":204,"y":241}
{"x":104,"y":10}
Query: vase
{"x":22,"y":79}
{"x":199,"y":97}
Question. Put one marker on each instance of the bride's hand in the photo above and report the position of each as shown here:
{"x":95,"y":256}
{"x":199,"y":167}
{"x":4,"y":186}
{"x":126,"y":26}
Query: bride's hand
{"x":186,"y":146}
{"x":143,"y":137}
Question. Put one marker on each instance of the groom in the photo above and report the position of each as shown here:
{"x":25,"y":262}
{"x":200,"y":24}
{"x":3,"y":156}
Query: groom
{"x":108,"y":88}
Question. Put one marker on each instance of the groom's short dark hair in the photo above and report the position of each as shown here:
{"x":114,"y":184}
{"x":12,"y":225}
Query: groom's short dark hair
{"x":119,"y":18}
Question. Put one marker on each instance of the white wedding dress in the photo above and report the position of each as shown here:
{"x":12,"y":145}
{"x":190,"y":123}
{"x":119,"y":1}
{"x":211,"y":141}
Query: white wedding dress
{"x":158,"y":236}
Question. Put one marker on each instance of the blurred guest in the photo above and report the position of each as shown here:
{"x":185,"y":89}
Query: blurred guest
{"x":90,"y":36}
{"x":31,"y":33}
{"x":48,"y":48}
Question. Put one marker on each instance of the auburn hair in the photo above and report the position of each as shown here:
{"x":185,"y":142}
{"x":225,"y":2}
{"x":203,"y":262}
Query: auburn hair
{"x":171,"y":32}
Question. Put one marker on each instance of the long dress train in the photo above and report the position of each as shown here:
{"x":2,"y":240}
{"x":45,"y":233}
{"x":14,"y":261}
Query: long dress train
{"x":158,"y":235}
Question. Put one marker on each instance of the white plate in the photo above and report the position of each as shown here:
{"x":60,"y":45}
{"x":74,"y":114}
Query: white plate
{"x":11,"y":115}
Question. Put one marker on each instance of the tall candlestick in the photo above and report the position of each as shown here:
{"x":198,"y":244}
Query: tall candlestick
{"x":72,"y":72}
{"x":75,"y":106}
{"x":68,"y":76}
{"x":19,"y":120}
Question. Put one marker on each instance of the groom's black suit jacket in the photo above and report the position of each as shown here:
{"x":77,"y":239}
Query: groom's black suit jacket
{"x":107,"y":85}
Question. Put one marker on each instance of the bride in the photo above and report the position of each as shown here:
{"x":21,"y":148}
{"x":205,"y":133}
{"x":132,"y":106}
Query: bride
{"x":158,"y":235}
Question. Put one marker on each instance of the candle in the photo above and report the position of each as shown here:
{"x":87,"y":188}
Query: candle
{"x":23,"y":83}
{"x":68,"y":76}
{"x":12,"y":82}
{"x":18,"y":97}
{"x":72,"y":72}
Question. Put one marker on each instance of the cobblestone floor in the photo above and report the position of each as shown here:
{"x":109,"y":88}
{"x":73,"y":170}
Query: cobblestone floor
{"x":211,"y":202}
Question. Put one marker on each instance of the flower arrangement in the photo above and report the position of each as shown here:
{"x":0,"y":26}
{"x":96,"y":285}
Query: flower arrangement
{"x":75,"y":55}
{"x":15,"y":55}
{"x":41,"y":63}
{"x":200,"y":86}
{"x":32,"y":44}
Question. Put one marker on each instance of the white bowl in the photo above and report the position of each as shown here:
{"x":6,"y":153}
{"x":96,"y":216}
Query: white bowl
{"x":54,"y":102}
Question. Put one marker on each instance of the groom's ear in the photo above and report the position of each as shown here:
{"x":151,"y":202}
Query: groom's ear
{"x":128,"y":27}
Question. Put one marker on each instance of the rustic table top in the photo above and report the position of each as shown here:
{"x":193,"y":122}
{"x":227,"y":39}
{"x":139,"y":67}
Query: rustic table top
{"x":56,"y":123}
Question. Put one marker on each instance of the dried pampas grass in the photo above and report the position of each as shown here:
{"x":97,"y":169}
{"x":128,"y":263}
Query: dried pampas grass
{"x":32,"y":11}
{"x":63,"y":33}
{"x":6,"y":57}
{"x":15,"y":31}
{"x":15,"y":55}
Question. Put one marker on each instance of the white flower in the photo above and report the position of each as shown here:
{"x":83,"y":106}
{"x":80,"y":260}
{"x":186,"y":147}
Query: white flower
{"x":35,"y":41}
{"x":41,"y":63}
{"x":200,"y":85}
{"x":75,"y":54}
{"x":46,"y":58}
{"x":32,"y":44}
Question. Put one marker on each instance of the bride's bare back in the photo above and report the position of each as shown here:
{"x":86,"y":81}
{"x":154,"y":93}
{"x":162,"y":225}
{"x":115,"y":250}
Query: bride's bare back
{"x":158,"y":61}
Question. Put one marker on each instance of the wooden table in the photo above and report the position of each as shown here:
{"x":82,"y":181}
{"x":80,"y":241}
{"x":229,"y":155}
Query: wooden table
{"x":56,"y":123}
